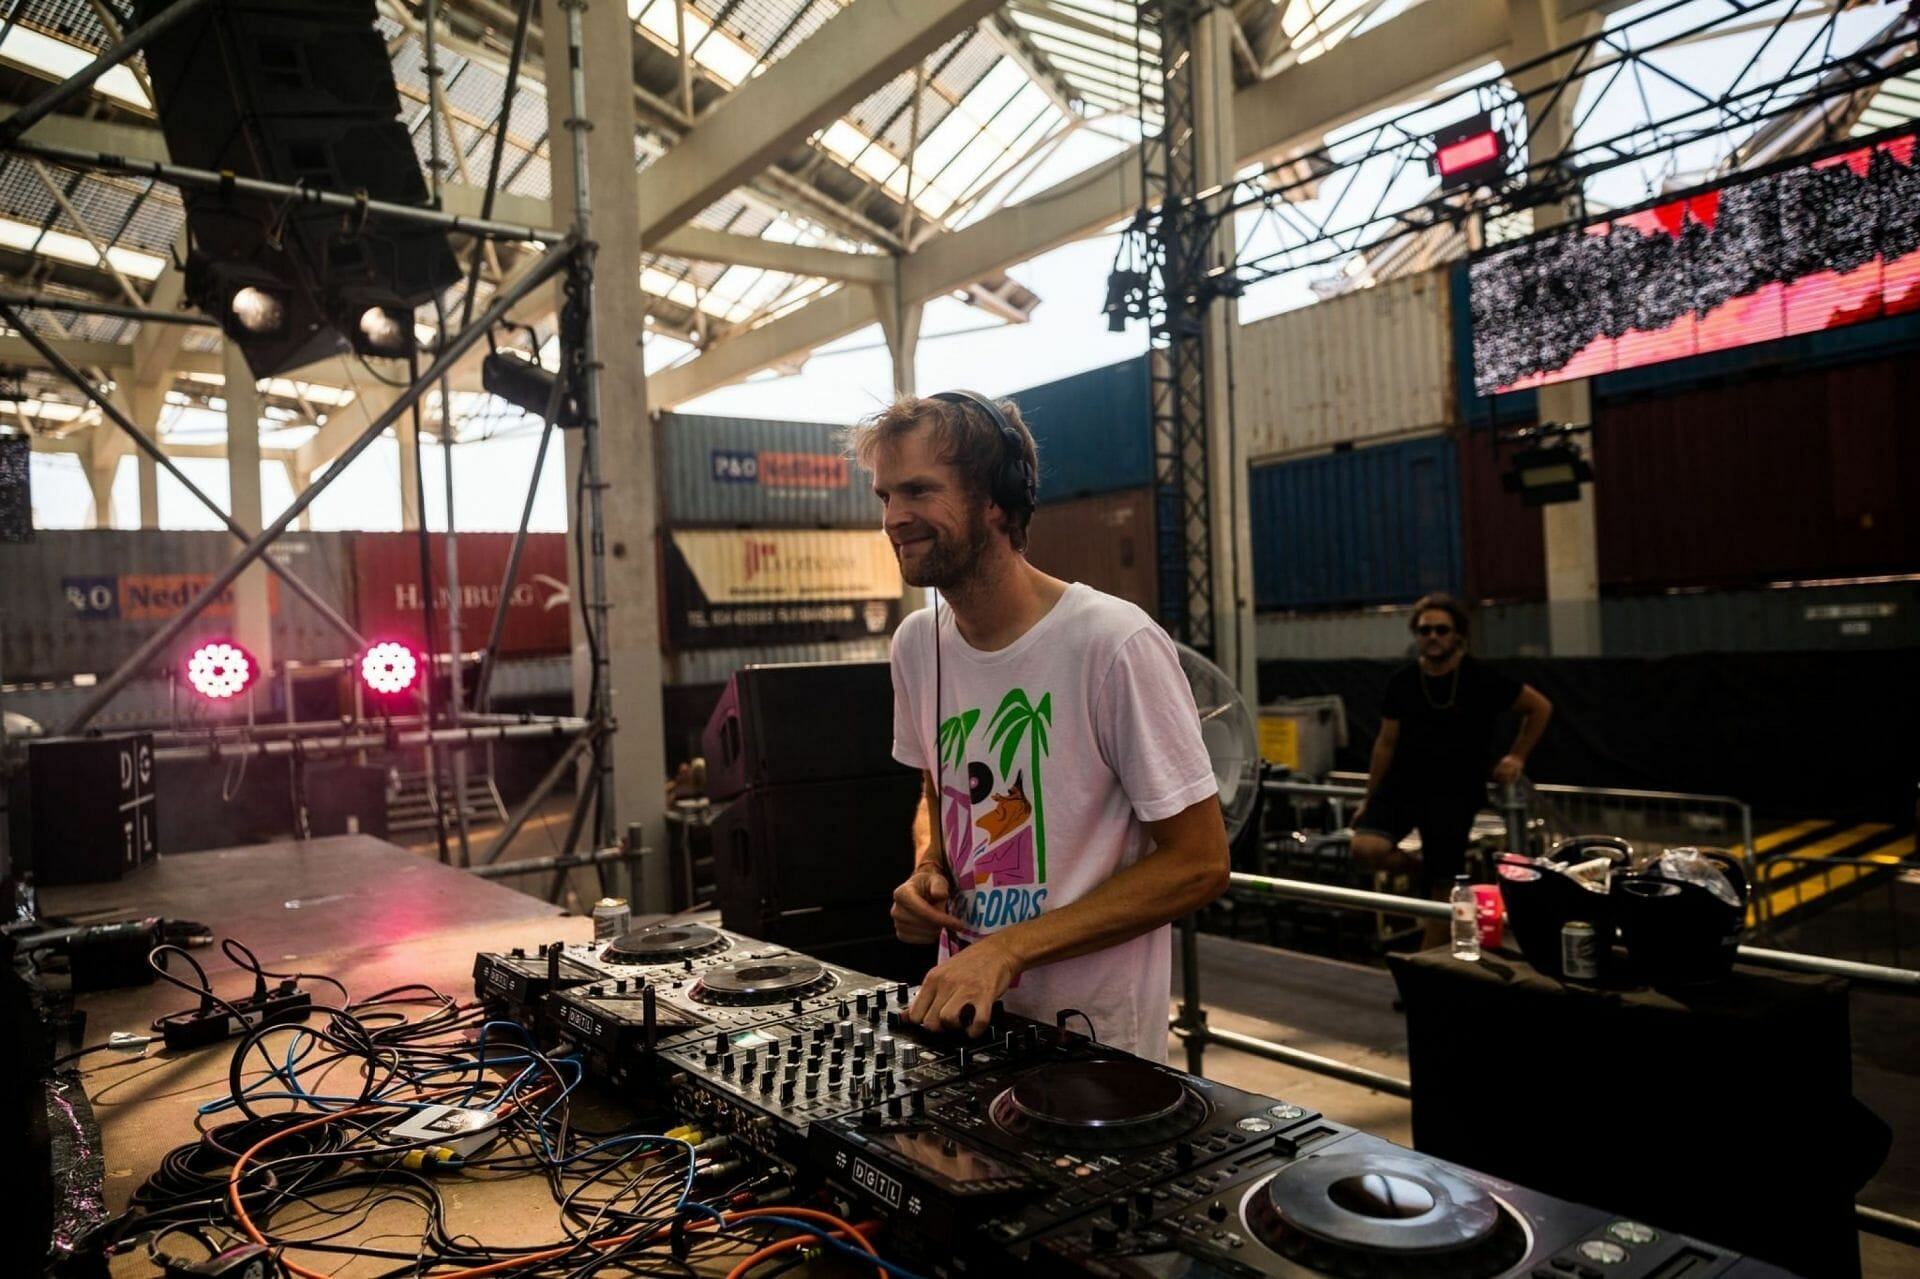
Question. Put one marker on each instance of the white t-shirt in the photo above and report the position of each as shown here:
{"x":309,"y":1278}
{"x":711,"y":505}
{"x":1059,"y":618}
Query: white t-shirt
{"x":1054,"y":750}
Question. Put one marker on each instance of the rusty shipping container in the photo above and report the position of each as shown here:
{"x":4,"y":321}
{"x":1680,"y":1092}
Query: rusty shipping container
{"x":1802,"y":474}
{"x":1105,"y":541}
{"x":387,"y":572}
{"x":82,"y":601}
{"x":1368,"y":365}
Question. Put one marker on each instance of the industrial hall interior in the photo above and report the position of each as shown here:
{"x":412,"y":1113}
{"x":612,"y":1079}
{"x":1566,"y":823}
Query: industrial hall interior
{"x":1099,"y":639}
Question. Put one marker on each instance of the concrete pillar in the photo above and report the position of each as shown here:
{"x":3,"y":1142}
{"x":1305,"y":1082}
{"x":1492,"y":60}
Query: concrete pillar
{"x":252,"y":621}
{"x":409,"y":473}
{"x":1232,"y":528}
{"x":102,"y":463}
{"x":146,"y":401}
{"x":900,"y":325}
{"x":626,"y":435}
{"x":1572,"y":543}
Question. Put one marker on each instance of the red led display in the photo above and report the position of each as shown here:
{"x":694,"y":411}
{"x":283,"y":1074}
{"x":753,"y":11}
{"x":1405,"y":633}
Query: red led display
{"x":1825,"y":243}
{"x":1468,"y":153}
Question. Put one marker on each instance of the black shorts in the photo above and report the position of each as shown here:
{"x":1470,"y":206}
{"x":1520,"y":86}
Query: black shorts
{"x":1442,"y":815}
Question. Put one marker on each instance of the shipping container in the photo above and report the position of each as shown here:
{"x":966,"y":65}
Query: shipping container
{"x":1106,"y":542}
{"x":1368,"y":364}
{"x":1810,"y":474}
{"x":1505,"y":545}
{"x":83,"y":601}
{"x":728,"y":588}
{"x":717,"y":665}
{"x":732,"y":472}
{"x":1360,"y":526}
{"x":1093,"y":431}
{"x":387,"y":575}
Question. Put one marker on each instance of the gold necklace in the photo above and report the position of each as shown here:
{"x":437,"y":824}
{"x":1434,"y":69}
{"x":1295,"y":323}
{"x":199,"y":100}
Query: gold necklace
{"x":1453,"y":692}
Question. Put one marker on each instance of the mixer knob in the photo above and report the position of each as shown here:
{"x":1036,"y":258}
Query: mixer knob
{"x":520,"y":952}
{"x":686,"y":965}
{"x":726,"y":1063}
{"x":596,"y":990}
{"x":620,"y":986}
{"x":900,"y":994}
{"x":766,"y":1082}
{"x":963,"y":1058}
{"x":974,"y":1104}
{"x":799,"y":1004}
{"x":833,"y":1075}
{"x":864,"y":1039}
{"x":750,"y":1058}
{"x":1216,"y":1211}
{"x":860,"y":1002}
{"x":843,"y":1012}
{"x":789,"y":1070}
{"x":873,"y":1014}
{"x":910,"y":1055}
{"x":786,"y":1092}
{"x":713,"y":1059}
{"x":893,"y":1107}
{"x":882,"y":1058}
{"x":813,"y":1084}
{"x":719,"y":1041}
{"x":894,"y":1021}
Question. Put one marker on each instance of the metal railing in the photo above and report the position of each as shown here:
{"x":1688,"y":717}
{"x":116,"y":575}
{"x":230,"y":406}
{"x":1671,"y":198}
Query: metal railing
{"x":1651,"y":820}
{"x":1866,"y":917}
{"x":1191,"y":1027}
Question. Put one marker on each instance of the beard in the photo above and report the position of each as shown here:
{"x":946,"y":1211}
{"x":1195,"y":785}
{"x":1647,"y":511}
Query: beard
{"x":949,"y":560}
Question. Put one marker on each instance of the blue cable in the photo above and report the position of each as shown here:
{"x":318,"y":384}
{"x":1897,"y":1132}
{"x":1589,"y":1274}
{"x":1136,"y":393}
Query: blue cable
{"x":819,"y":1233}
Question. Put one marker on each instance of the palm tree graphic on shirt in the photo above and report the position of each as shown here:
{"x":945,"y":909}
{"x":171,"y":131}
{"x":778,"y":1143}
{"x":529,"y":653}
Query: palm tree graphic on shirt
{"x":1007,"y":848}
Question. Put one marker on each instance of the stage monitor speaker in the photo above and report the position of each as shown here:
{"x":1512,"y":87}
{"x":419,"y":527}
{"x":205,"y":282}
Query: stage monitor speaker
{"x":86,"y":814}
{"x":297,"y":93}
{"x":816,"y":863}
{"x":801,"y":722}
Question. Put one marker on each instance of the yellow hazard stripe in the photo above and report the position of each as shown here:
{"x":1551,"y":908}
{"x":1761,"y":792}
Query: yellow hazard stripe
{"x":1786,"y":835}
{"x":1828,"y":847}
{"x":1824,"y":880}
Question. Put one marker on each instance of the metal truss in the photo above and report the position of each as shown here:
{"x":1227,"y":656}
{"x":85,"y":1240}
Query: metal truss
{"x":568,"y":255}
{"x":1165,"y":280}
{"x":1313,"y":203}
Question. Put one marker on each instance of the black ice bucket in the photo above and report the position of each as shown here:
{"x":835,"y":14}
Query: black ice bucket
{"x":1678,"y":932}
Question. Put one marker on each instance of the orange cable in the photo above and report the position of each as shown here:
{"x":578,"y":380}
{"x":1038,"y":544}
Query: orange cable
{"x":788,"y":1245}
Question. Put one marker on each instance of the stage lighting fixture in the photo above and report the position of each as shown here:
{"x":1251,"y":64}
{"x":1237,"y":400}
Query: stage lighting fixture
{"x":1547,"y":475}
{"x":383,"y":330}
{"x":526,"y":386}
{"x":259,"y":311}
{"x":220,"y":670}
{"x":1469,"y":154}
{"x":388,"y":668}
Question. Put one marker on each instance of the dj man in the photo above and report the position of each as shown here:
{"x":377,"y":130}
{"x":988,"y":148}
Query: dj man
{"x":1077,"y":810}
{"x":1431,"y":761}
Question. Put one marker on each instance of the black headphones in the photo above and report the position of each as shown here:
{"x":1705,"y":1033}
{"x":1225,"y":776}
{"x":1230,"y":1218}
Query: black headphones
{"x":1015,"y":489}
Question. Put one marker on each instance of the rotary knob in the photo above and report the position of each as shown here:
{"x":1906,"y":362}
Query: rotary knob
{"x":786,"y":1092}
{"x":834,"y":1074}
{"x":1216,"y":1211}
{"x":766,"y":1082}
{"x":813,"y":1085}
{"x":860,"y":1002}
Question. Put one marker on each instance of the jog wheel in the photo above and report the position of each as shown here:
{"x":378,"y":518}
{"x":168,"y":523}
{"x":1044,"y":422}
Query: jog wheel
{"x":1389,"y":1215}
{"x":1097,"y":1105}
{"x":663,"y":944}
{"x":762,"y":981}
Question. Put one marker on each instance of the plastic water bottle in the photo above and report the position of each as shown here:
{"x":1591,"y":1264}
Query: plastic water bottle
{"x":1466,"y":925}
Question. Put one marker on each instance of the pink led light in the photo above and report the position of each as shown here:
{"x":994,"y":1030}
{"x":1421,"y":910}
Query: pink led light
{"x":219,"y":670}
{"x":389,"y":668}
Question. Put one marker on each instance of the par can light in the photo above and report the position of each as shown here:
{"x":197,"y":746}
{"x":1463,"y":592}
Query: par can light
{"x":220,"y":670}
{"x":388,"y":668}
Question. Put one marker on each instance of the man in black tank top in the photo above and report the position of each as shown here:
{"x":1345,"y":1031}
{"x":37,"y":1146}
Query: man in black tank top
{"x":1435,"y":753}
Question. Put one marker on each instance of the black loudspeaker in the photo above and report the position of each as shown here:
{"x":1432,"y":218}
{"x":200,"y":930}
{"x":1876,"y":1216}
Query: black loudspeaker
{"x":87,"y":814}
{"x":803,"y":722}
{"x":294,"y":93}
{"x":815,"y":864}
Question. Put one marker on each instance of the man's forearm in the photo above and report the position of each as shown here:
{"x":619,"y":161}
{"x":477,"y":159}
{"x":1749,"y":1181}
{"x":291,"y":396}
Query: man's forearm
{"x":1532,"y":724}
{"x":1377,"y":765}
{"x":1157,"y":889}
{"x":925,"y":853}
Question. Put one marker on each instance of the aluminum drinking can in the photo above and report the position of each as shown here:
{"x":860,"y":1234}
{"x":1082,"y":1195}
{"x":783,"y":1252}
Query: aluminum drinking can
{"x":1579,"y":951}
{"x":611,"y":918}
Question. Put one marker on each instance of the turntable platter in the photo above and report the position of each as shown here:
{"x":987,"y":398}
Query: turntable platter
{"x":663,"y":944}
{"x":1098,"y":1104}
{"x":1386,"y":1214}
{"x":762,"y":981}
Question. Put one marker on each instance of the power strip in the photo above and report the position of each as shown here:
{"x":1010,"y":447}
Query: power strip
{"x":210,"y":1023}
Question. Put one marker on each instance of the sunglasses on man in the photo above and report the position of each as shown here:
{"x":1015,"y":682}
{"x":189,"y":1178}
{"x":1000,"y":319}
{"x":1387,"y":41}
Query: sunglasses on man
{"x":1433,"y":630}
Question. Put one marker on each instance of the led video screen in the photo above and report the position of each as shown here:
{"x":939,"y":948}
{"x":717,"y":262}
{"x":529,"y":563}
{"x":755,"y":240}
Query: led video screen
{"x":1828,"y":242}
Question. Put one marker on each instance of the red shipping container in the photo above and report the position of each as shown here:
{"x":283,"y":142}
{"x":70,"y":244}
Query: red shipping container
{"x":387,"y":584}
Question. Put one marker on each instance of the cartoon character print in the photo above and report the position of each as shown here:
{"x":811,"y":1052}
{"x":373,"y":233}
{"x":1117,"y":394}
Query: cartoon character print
{"x":995,"y":827}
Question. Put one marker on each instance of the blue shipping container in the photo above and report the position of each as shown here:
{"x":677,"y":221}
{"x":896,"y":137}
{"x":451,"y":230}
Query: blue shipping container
{"x":1094,"y":430}
{"x":1360,"y":527}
